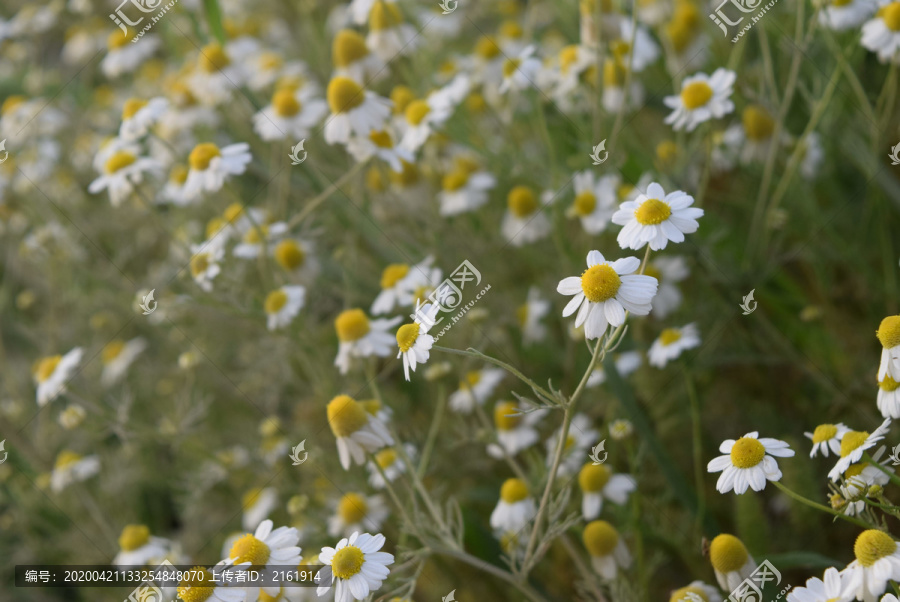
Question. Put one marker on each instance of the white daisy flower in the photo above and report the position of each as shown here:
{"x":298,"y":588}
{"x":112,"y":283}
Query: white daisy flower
{"x":514,"y":509}
{"x":400,"y":283}
{"x":888,"y":334}
{"x":211,"y":166}
{"x":216,"y":77}
{"x":355,"y":512}
{"x":266,"y":547}
{"x":72,"y":416}
{"x":655,"y":218}
{"x":705,"y":593}
{"x":605,"y":291}
{"x":529,"y":316}
{"x":671,"y":343}
{"x":122,"y":171}
{"x":614,"y":97}
{"x":520,"y":72}
{"x":607,"y":549}
{"x":205,"y":264}
{"x":889,"y":397}
{"x":257,"y":237}
{"x":625,"y":364}
{"x":422,"y":117}
{"x":752,"y":140}
{"x":390,"y":463}
{"x":282,"y":305}
{"x":595,"y":200}
{"x":139,"y":115}
{"x":515,"y":430}
{"x":381,"y":144}
{"x":524,"y":221}
{"x":817,"y":590}
{"x":749,"y":463}
{"x":357,"y":431}
{"x":124,"y":57}
{"x":731,"y":561}
{"x":353,"y":58}
{"x":858,"y":478}
{"x":138,"y":548}
{"x":668,"y":271}
{"x":882,"y":34}
{"x":200,"y":580}
{"x":825,"y":437}
{"x":173,"y":191}
{"x":702,"y":98}
{"x":354,"y":566}
{"x":620,"y":429}
{"x":359,"y":10}
{"x":877,"y":562}
{"x":296,"y":257}
{"x":644,"y":51}
{"x":53,"y":372}
{"x":464,"y":188}
{"x":360,"y":337}
{"x":413,"y":339}
{"x":289,"y":116}
{"x":475,"y":389}
{"x":854,"y":444}
{"x":389,"y":34}
{"x":117,"y":357}
{"x":354,"y":111}
{"x":598,"y":483}
{"x":72,"y":468}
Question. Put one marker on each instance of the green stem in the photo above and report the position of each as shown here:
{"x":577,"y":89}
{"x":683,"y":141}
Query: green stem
{"x":891,"y":475}
{"x":477,"y":354}
{"x":697,"y":446}
{"x":821,"y":507}
{"x":436,"y":420}
{"x":311,"y":205}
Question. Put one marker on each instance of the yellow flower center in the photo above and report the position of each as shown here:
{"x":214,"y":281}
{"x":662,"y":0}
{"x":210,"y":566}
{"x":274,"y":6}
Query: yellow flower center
{"x":344,"y":95}
{"x":348,"y":47}
{"x":505,"y":417}
{"x":285,"y":103}
{"x":264,"y":597}
{"x":46,"y":367}
{"x":511,"y":66}
{"x":67,"y":458}
{"x":667,"y":151}
{"x":289,"y":254}
{"x":386,"y":458}
{"x":120,"y":160}
{"x":352,"y":508}
{"x":117,"y":40}
{"x":249,"y":549}
{"x":585,"y":203}
{"x":132,"y":106}
{"x":384,"y":15}
{"x":727,"y":553}
{"x":873,"y":545}
{"x":852,"y":440}
{"x":475,"y":102}
{"x":522,"y":314}
{"x":250,"y":498}
{"x":202,"y":154}
{"x":521,"y":201}
{"x":888,"y":384}
{"x":455,"y":180}
{"x":134,"y":537}
{"x":669,"y":336}
{"x":213,"y":58}
{"x":593,"y":477}
{"x":198,"y":586}
{"x":824,"y":432}
{"x":472,"y":379}
{"x":889,"y":332}
{"x":652,"y":212}
{"x":381,"y":139}
{"x":275,"y":301}
{"x":854,"y":469}
{"x":346,"y":416}
{"x":680,"y":33}
{"x":406,"y":336}
{"x":393,"y":274}
{"x":681,"y":594}
{"x":567,"y":58}
{"x":269,"y":61}
{"x":401,"y":96}
{"x":347,"y":562}
{"x":747,"y":452}
{"x":408,"y":177}
{"x":351,"y":325}
{"x":513,"y":490}
{"x":486,"y":48}
{"x":600,"y":538}
{"x":256,"y":234}
{"x":695,"y":95}
{"x":890,"y":14}
{"x":372,"y":406}
{"x":199,"y":264}
{"x":179,"y":174}
{"x":416,"y":111}
{"x":758,"y":124}
{"x":600,"y":283}
{"x":620,"y":49}
{"x":510,"y":29}
{"x":112,"y":350}
{"x":233,"y":211}
{"x":613,"y":74}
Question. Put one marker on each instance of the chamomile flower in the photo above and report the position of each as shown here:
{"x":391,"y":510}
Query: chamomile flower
{"x":359,"y":336}
{"x":668,"y":270}
{"x":529,"y":316}
{"x":354,"y":111}
{"x":818,"y":590}
{"x":475,"y":389}
{"x":520,"y":71}
{"x":671,"y":343}
{"x":422,"y":117}
{"x":399,"y":282}
{"x":204,"y":264}
{"x":173,"y":191}
{"x":605,"y":291}
{"x":389,"y":34}
{"x":606,"y":547}
{"x":413,"y":339}
{"x":295,"y":256}
{"x":137,"y":547}
{"x":352,"y":58}
{"x":265,"y":547}
{"x":354,"y":566}
{"x":701,"y":593}
{"x":753,"y":139}
{"x":614,"y":97}
{"x":655,"y":218}
{"x":124,"y":57}
{"x":825,"y":437}
{"x":688,"y":40}
{"x":882,"y":34}
{"x":71,"y":468}
{"x":858,"y":478}
{"x":620,"y":429}
{"x":216,"y":76}
{"x":122,"y":171}
{"x":282,"y":305}
{"x":258,"y":237}
{"x":381,"y":144}
{"x":139,"y":115}
{"x":357,"y":432}
{"x":464,"y":188}
{"x":730,"y":560}
{"x":289,"y":116}
{"x":598,"y":483}
{"x":210,"y":166}
{"x":355,"y":512}
{"x":877,"y":562}
{"x":595,"y":200}
{"x":515,"y":429}
{"x":72,"y":416}
{"x":117,"y":357}
{"x":514,"y":509}
{"x":257,"y":504}
{"x":524,"y":221}
{"x":51,"y":374}
{"x":390,"y":463}
{"x":200,"y":584}
{"x":888,"y":334}
{"x":854,"y":444}
{"x":702,"y":98}
{"x":889,"y":397}
{"x":749,"y":462}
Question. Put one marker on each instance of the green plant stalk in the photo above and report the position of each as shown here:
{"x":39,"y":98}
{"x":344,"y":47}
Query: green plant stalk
{"x":436,"y":419}
{"x":823,"y":508}
{"x":891,"y":475}
{"x":477,"y":354}
{"x":697,"y":447}
{"x":322,"y":196}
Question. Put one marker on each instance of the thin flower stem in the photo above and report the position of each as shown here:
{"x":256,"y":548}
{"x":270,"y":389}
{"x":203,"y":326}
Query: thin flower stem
{"x":391,"y":492}
{"x":697,"y":446}
{"x":477,"y":354}
{"x":891,"y":475}
{"x":478,"y":563}
{"x":821,"y":507}
{"x":313,"y":204}
{"x":436,"y":420}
